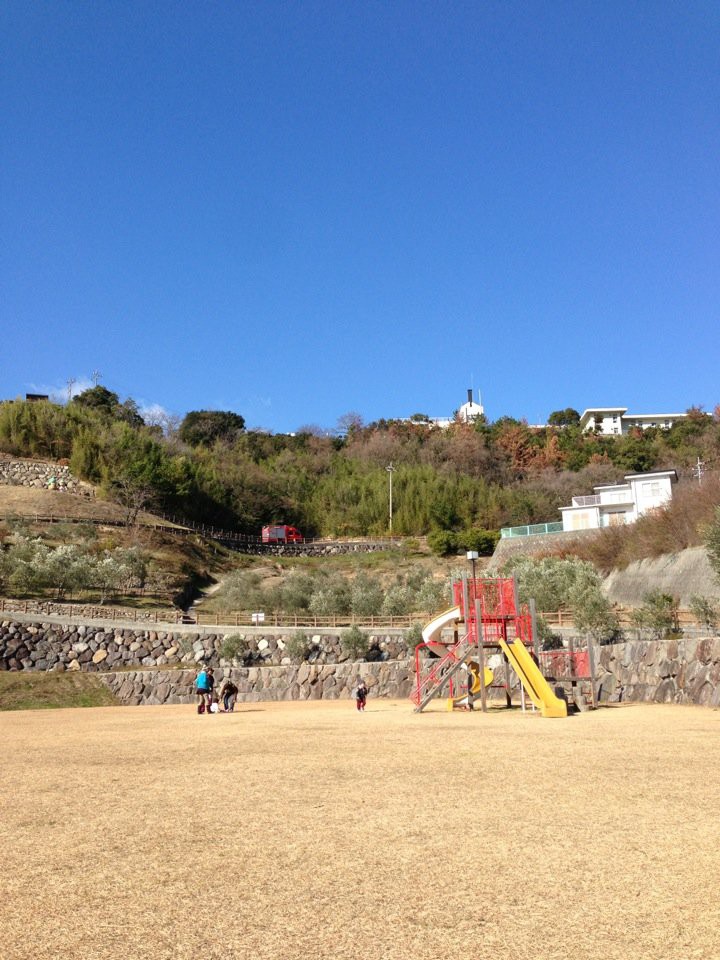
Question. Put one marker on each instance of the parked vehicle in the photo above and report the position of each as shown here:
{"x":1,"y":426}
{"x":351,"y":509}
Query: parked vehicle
{"x":281,"y":533}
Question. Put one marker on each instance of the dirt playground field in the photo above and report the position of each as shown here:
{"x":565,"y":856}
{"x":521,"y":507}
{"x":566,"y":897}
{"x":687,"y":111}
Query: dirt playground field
{"x":306,"y":830}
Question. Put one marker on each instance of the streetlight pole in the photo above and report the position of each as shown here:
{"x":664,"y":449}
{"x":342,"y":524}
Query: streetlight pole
{"x":472,"y":556}
{"x":390,"y":469}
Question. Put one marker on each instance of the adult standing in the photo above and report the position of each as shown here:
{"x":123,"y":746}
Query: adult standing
{"x":210,"y":679}
{"x":201,"y":689}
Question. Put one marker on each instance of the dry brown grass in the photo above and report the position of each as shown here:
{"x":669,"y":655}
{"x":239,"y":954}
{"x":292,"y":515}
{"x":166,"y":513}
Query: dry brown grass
{"x":306,"y":830}
{"x":31,"y":501}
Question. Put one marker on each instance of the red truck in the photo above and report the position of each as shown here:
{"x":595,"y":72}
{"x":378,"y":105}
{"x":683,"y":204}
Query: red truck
{"x":281,"y":533}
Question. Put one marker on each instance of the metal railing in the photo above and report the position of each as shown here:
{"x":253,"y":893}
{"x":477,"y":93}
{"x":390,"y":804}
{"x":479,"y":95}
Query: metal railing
{"x":530,"y":529}
{"x":592,"y":501}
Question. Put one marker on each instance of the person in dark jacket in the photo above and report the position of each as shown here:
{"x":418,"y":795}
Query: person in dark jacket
{"x":361,"y":692}
{"x":229,"y":692}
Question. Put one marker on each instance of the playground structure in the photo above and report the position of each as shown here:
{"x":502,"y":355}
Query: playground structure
{"x":470,"y":688}
{"x":487,"y":619}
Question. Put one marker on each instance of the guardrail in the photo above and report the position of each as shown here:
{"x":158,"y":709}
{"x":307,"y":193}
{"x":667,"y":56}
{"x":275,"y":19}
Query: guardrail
{"x":530,"y":529}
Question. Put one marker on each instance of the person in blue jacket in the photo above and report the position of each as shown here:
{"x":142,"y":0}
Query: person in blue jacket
{"x":202,"y":689}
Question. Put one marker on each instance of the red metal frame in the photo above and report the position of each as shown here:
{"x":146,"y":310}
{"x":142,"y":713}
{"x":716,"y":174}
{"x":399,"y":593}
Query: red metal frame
{"x":500,"y":620}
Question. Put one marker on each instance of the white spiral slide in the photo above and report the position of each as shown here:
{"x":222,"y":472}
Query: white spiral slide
{"x":433,"y":630}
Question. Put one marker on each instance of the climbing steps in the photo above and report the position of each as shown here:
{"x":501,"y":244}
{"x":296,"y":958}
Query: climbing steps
{"x":430,"y":685}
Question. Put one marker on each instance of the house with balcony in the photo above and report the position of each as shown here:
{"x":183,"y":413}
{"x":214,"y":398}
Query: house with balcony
{"x":620,"y":503}
{"x":616,"y":421}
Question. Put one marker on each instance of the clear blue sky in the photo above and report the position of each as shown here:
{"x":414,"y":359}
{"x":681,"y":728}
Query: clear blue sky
{"x":296,"y":210}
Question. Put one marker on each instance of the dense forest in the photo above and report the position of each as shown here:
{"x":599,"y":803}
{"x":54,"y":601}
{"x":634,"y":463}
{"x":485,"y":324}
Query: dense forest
{"x":468,"y":477}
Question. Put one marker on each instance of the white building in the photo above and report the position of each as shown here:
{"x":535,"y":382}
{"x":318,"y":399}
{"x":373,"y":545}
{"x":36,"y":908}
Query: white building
{"x":621,"y":502}
{"x":468,"y":412}
{"x":614,"y":421}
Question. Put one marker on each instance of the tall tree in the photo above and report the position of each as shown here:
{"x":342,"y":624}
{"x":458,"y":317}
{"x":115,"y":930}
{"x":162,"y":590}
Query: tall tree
{"x":205,"y":427}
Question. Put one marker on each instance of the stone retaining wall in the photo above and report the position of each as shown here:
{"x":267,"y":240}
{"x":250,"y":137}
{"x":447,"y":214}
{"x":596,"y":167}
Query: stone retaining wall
{"x":332,"y":681}
{"x":95,"y":648}
{"x":39,"y":473}
{"x":669,"y":671}
{"x":661,"y":671}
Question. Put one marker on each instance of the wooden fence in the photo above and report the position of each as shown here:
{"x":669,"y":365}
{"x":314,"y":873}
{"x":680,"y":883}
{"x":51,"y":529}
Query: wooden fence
{"x":85,"y":611}
{"x":176,"y":526}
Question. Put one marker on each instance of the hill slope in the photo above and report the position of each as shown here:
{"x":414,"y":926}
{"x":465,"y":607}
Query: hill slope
{"x":682,"y":574}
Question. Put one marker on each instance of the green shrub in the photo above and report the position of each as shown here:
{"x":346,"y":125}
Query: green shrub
{"x":399,"y":600}
{"x":705,"y":612}
{"x":431,"y":596}
{"x":366,"y":596}
{"x":640,"y":622}
{"x":298,"y":646}
{"x":413,"y":637}
{"x":296,"y":592}
{"x":354,"y":643}
{"x":662,"y":613}
{"x":711,"y":539}
{"x":443,"y":542}
{"x":234,"y":647}
{"x":548,"y":639}
{"x":331,"y":597}
{"x":657,"y":617}
{"x":410,"y":545}
{"x":482,"y":541}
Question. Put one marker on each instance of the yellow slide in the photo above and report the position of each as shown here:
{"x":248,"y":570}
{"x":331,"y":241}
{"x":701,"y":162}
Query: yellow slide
{"x":473,"y":683}
{"x":534,"y":682}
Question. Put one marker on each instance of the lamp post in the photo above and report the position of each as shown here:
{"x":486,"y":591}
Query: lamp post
{"x":472,"y":556}
{"x":390,"y":468}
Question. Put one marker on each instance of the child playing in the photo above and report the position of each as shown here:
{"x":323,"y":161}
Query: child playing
{"x":361,"y":693}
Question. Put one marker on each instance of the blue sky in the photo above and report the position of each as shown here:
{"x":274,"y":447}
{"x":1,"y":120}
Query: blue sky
{"x":296,"y":210}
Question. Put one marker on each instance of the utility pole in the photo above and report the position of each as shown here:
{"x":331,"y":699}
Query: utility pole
{"x":390,"y":468}
{"x":699,"y":470}
{"x":96,"y":375}
{"x":70,"y":384}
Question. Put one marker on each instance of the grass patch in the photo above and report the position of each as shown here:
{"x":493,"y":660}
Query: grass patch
{"x":50,"y":691}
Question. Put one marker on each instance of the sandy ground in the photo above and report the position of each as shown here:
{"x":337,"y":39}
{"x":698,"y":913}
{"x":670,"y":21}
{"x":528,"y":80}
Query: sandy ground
{"x":307,"y":830}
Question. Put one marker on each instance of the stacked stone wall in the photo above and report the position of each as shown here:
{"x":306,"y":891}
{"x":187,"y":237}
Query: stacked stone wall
{"x":40,"y":474}
{"x":670,"y":671}
{"x":306,"y":681}
{"x":96,"y":648}
{"x":661,"y":671}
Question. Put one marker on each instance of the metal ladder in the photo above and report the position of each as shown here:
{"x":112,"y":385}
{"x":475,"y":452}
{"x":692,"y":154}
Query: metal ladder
{"x":433,"y":682}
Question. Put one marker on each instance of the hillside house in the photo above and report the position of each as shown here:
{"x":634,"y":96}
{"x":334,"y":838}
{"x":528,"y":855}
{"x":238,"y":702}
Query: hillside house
{"x":621,"y":502}
{"x":616,"y":421}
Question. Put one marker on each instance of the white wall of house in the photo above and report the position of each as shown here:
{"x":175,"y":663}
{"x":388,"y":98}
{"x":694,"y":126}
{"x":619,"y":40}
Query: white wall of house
{"x":620,"y":503}
{"x":616,"y":421}
{"x":651,"y":491}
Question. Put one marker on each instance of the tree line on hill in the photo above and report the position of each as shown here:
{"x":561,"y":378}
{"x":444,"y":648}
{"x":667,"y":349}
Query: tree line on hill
{"x":467,"y":480}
